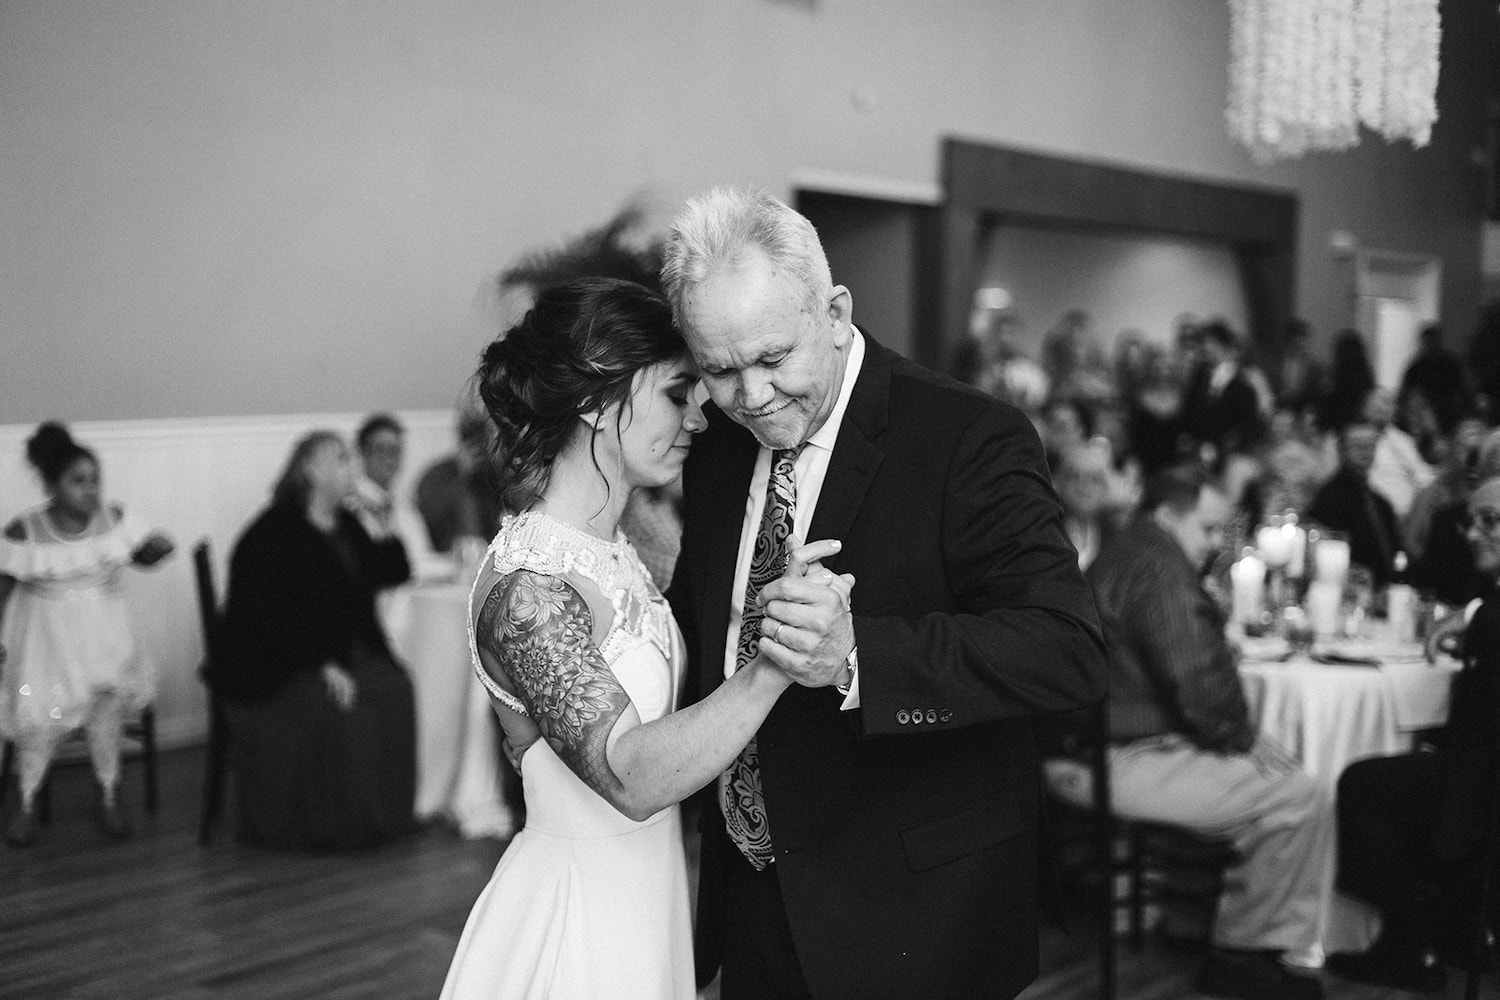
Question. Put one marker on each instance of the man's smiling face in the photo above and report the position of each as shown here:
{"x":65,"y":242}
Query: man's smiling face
{"x":771,"y":359}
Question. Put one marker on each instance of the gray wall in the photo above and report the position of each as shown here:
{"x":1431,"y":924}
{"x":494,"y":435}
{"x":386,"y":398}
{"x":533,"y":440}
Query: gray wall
{"x":246,"y":207}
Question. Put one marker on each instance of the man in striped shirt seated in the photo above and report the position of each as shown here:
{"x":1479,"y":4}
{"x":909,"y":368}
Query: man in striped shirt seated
{"x":1183,"y":749}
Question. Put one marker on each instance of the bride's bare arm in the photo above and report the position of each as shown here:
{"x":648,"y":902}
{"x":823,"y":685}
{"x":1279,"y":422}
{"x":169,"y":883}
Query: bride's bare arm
{"x":539,"y":631}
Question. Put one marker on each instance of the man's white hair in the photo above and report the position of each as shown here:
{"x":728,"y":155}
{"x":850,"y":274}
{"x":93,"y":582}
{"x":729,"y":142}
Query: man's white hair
{"x":719,"y":228}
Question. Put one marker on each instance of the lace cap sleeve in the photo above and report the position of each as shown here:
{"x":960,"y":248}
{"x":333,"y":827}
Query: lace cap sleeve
{"x":541,"y":544}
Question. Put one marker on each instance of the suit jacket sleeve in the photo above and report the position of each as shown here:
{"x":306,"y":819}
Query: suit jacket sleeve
{"x":1021,"y":635}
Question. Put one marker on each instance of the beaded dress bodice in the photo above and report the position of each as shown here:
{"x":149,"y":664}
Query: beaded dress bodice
{"x":642,"y":622}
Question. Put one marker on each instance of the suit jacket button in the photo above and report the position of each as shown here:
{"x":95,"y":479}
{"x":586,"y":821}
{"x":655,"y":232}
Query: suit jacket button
{"x":932,"y":715}
{"x":946,"y":715}
{"x":916,"y":715}
{"x":903,"y":717}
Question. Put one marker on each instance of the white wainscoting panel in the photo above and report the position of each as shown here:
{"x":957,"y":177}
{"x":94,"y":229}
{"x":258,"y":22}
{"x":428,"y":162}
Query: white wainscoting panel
{"x":194,"y":479}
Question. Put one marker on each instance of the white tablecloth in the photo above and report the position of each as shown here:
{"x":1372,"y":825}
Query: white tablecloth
{"x":458,"y":754}
{"x":1332,"y":714}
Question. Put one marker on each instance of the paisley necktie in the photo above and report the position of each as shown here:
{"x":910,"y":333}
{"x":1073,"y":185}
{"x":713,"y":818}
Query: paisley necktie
{"x":740,"y":795}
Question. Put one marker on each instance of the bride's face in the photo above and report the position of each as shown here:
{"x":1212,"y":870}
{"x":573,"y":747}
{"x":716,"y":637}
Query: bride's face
{"x":656,"y":425}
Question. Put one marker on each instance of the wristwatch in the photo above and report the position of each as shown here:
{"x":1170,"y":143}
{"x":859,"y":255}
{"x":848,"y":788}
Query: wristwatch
{"x":851,"y":662}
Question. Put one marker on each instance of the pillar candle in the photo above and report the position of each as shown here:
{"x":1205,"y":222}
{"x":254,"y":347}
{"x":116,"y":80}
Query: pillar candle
{"x":1248,"y":580}
{"x":1323,"y":600}
{"x":1331,"y":561}
{"x":1274,"y":545}
{"x":1297,"y":565}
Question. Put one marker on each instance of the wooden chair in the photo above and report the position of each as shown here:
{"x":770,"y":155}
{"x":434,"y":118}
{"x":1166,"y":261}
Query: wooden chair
{"x":1130,"y":865}
{"x":216,"y":760}
{"x":139,"y":744}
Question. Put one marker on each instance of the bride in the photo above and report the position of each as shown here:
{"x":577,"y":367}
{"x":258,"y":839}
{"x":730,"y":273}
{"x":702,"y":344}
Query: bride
{"x":593,"y":397}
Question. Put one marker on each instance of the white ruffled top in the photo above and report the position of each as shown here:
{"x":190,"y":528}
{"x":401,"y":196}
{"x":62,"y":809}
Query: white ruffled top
{"x":48,"y":556}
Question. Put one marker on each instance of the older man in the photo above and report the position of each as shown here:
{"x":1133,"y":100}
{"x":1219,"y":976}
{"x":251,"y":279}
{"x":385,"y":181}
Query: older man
{"x":1184,"y":749}
{"x":1348,"y":502}
{"x":879,"y":837}
{"x":1412,"y":828}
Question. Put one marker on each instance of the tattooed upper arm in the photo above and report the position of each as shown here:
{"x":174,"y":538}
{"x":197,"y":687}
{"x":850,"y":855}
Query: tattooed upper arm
{"x":539,"y":630}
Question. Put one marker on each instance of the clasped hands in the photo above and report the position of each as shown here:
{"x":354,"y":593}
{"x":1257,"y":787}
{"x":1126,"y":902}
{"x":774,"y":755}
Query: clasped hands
{"x":808,"y":628}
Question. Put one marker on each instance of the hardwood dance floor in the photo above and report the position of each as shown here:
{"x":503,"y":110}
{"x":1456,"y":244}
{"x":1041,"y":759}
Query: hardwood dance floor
{"x":159,"y":918}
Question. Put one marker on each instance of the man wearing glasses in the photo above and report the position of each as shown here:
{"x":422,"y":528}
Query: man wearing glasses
{"x":1412,"y":828}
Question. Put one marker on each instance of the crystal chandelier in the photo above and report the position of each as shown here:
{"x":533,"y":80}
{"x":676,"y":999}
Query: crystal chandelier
{"x":1304,"y":74}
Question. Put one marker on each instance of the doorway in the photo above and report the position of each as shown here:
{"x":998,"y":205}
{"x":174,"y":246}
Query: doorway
{"x":1396,"y":295}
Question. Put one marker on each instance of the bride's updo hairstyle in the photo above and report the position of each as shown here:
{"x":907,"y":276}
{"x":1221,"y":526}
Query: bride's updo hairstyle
{"x":577,"y":351}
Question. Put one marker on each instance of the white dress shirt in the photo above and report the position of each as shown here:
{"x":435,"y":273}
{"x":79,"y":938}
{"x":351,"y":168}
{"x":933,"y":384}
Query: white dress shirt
{"x":810,"y":471}
{"x":1399,"y":471}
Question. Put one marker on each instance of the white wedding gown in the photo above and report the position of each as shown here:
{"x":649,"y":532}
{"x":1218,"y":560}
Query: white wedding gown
{"x":585,"y":902}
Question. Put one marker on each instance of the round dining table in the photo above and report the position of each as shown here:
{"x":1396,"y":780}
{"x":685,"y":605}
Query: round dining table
{"x":458,"y":741}
{"x":1330,"y":706}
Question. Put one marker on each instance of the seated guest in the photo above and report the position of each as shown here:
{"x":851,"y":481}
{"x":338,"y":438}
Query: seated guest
{"x":1293,"y":468}
{"x":1452,"y":485}
{"x":1411,"y":828}
{"x":1153,"y":415}
{"x":1184,"y":749}
{"x":320,"y":716}
{"x":1398,"y":470}
{"x":1348,"y":503}
{"x":1445,"y":566}
{"x":1300,"y":375}
{"x":1083,"y":480}
{"x":456,"y":495}
{"x":1065,"y":422}
{"x":381,"y":442}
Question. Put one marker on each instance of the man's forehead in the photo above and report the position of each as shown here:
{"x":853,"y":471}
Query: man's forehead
{"x":741,"y":347}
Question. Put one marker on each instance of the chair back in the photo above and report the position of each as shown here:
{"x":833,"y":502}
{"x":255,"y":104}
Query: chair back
{"x":216,"y":756}
{"x":203,"y":575}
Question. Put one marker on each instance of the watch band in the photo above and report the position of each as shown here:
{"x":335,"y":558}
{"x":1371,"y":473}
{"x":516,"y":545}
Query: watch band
{"x":852,"y":662}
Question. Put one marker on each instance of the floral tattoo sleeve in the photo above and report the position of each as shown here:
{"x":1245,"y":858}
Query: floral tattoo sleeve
{"x":540,"y":630}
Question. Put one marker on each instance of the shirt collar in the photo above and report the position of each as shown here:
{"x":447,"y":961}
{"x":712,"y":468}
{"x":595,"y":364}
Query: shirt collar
{"x":370,"y":490}
{"x":828,"y":434}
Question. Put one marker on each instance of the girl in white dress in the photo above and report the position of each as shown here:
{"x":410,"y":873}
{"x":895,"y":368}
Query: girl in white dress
{"x":68,"y":657}
{"x":593,"y":395}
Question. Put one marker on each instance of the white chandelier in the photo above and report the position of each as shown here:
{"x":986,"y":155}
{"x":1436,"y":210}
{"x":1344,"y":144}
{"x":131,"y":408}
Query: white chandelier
{"x":1303,"y":74}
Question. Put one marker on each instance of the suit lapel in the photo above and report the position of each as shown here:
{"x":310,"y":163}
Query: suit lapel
{"x":856,"y":457}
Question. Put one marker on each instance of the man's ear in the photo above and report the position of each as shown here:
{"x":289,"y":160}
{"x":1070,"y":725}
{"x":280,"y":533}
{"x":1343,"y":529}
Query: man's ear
{"x":841,"y":315}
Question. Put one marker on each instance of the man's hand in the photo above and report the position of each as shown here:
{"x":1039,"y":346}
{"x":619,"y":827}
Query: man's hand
{"x":1446,"y":636}
{"x":341,"y":686}
{"x":808,"y":630}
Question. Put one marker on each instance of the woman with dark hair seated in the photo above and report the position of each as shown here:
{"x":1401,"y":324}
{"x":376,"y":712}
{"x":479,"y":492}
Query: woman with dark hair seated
{"x":321,"y":720}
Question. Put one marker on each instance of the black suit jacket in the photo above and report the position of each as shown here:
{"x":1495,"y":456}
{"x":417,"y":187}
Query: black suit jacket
{"x":1471,"y":741}
{"x":906,"y":831}
{"x":1229,"y":420}
{"x":1347,"y":503}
